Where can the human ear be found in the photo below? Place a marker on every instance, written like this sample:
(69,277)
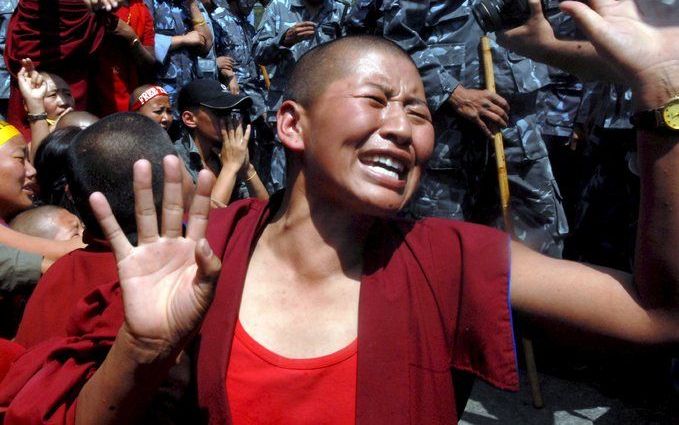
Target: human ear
(290,132)
(189,119)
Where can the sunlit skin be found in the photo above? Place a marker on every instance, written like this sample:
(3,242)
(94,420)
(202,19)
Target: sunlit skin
(17,178)
(69,226)
(371,112)
(159,110)
(58,98)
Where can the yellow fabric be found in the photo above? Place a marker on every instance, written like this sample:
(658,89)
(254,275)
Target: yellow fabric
(7,132)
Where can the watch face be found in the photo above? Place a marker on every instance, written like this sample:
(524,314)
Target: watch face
(670,114)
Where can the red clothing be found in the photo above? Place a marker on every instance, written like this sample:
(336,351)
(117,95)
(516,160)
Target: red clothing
(61,288)
(265,388)
(9,351)
(59,36)
(117,75)
(434,310)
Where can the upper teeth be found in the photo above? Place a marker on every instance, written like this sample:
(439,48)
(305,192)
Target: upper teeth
(387,162)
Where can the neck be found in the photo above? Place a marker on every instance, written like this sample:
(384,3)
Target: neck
(233,7)
(327,240)
(209,159)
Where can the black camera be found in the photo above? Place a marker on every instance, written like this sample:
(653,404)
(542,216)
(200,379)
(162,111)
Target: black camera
(498,15)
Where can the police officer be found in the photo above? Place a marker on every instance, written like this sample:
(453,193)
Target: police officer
(287,30)
(233,43)
(183,36)
(460,182)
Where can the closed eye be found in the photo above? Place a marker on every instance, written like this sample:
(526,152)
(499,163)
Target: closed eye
(382,101)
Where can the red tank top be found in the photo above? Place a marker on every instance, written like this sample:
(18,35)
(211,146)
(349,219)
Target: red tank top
(265,388)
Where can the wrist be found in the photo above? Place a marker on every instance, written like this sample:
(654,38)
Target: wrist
(146,351)
(654,87)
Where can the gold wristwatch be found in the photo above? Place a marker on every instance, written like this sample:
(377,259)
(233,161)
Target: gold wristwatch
(663,118)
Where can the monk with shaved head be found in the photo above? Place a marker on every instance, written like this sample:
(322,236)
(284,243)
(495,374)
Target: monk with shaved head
(325,308)
(48,222)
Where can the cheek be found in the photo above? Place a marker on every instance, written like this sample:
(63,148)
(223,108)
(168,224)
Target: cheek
(50,106)
(423,143)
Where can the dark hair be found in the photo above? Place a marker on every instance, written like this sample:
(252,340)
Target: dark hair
(325,63)
(51,163)
(101,159)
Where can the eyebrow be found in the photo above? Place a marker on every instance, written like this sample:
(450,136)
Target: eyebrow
(388,90)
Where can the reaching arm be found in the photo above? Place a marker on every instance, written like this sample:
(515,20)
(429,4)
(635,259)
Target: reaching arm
(33,90)
(47,248)
(144,56)
(630,36)
(535,39)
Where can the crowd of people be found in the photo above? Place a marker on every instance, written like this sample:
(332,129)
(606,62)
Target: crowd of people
(229,211)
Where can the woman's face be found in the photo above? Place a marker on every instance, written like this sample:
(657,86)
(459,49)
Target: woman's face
(58,99)
(17,178)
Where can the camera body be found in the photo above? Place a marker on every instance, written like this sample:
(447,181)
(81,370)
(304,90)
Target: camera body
(498,15)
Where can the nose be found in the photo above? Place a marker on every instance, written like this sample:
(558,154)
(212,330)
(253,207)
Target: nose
(29,171)
(395,124)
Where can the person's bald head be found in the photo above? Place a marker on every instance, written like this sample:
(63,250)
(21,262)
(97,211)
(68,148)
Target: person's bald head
(48,222)
(323,64)
(80,119)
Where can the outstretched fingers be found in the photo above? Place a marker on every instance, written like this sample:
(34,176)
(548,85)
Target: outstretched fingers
(207,274)
(173,203)
(144,206)
(109,225)
(200,207)
(586,17)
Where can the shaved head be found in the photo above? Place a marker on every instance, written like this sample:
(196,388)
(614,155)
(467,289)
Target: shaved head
(80,119)
(48,222)
(323,64)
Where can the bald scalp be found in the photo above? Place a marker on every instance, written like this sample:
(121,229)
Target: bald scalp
(42,222)
(80,119)
(326,63)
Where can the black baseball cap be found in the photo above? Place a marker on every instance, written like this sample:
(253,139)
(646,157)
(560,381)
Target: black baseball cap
(210,94)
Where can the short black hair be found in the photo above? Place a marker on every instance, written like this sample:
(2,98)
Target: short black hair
(325,63)
(101,159)
(51,162)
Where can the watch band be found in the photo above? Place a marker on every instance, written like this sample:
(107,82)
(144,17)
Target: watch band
(647,120)
(36,117)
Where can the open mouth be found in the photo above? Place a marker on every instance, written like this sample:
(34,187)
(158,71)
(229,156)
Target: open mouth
(31,189)
(387,166)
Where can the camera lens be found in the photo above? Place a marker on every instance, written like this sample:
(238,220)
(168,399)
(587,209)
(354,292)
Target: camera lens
(496,15)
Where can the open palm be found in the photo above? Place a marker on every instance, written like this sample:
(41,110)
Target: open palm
(638,35)
(167,280)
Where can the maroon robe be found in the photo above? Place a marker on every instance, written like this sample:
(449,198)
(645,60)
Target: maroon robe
(58,291)
(434,310)
(59,36)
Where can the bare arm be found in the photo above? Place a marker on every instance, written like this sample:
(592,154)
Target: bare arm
(535,39)
(33,90)
(51,250)
(599,300)
(143,55)
(255,185)
(201,27)
(630,35)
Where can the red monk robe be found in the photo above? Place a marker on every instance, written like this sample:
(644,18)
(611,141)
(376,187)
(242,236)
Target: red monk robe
(61,288)
(434,311)
(59,36)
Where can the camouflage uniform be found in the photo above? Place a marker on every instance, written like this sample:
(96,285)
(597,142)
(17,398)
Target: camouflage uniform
(460,179)
(559,102)
(234,37)
(180,66)
(280,15)
(607,211)
(6,9)
(365,17)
